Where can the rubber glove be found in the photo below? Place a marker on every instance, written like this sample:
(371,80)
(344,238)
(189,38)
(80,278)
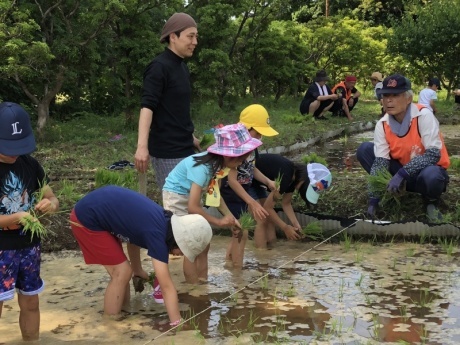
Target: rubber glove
(372,207)
(396,181)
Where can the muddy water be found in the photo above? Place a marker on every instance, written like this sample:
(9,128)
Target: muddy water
(340,153)
(351,293)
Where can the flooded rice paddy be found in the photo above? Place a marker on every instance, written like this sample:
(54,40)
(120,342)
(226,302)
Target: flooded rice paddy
(354,292)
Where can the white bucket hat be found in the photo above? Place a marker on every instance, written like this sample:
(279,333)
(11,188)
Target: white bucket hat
(192,234)
(320,180)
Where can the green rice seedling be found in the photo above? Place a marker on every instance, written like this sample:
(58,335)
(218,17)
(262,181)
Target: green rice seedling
(32,224)
(313,230)
(278,181)
(124,178)
(264,282)
(313,158)
(376,327)
(291,292)
(207,140)
(247,222)
(359,281)
(403,312)
(68,195)
(151,278)
(447,246)
(378,184)
(347,241)
(454,163)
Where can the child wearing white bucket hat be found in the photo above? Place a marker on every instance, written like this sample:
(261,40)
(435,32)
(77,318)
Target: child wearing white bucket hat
(111,214)
(202,173)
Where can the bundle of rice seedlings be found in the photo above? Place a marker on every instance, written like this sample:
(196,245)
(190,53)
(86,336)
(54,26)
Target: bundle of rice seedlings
(278,181)
(32,224)
(314,158)
(207,140)
(125,178)
(313,230)
(151,278)
(247,222)
(378,183)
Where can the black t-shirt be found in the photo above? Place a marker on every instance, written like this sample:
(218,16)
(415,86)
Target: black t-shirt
(272,165)
(166,91)
(18,183)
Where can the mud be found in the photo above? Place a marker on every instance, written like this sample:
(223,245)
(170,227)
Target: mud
(351,293)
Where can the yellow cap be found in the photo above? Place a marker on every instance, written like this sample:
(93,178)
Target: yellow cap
(377,75)
(256,116)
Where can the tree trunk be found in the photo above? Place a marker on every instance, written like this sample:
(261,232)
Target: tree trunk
(43,110)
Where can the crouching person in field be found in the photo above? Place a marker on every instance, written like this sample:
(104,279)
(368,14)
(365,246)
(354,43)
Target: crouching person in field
(111,214)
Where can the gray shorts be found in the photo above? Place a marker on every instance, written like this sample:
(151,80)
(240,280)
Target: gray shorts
(162,168)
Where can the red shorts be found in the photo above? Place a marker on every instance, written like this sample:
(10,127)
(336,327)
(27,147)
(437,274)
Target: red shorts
(98,247)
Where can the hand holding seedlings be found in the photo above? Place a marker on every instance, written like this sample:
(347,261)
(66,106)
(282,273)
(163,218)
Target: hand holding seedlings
(237,233)
(45,206)
(228,221)
(291,232)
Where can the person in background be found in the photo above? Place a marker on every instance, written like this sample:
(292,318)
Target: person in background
(319,98)
(408,144)
(308,180)
(348,97)
(111,214)
(456,94)
(236,188)
(202,174)
(428,96)
(22,183)
(165,127)
(376,80)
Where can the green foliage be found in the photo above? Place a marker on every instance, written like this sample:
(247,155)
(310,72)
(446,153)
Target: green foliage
(424,36)
(207,140)
(314,158)
(124,178)
(454,163)
(378,183)
(313,230)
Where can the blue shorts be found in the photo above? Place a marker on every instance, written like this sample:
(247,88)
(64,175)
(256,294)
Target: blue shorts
(20,269)
(236,205)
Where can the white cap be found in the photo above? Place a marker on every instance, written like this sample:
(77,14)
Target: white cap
(320,179)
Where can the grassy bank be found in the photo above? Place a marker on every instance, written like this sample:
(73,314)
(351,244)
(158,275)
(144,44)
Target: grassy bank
(73,151)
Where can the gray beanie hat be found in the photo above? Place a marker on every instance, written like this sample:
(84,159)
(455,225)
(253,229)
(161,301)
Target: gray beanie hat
(177,22)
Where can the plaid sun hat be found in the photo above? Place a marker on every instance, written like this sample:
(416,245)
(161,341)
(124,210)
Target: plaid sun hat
(233,141)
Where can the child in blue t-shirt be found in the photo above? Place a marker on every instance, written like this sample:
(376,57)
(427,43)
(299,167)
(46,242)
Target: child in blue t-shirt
(201,174)
(110,215)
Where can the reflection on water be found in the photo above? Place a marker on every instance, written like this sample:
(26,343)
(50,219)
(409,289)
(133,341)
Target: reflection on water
(358,294)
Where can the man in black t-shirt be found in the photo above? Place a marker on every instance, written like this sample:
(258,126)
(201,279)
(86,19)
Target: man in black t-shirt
(165,126)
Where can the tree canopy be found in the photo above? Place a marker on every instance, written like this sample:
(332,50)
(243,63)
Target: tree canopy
(64,57)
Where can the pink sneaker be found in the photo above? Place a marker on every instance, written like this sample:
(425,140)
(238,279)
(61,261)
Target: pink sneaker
(157,295)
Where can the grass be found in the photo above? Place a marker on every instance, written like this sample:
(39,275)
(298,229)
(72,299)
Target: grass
(72,153)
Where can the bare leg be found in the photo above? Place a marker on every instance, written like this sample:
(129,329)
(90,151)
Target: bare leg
(1,308)
(202,264)
(271,234)
(134,254)
(29,317)
(117,290)
(238,250)
(313,107)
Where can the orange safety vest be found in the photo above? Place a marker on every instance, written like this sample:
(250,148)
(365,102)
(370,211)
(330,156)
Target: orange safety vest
(342,84)
(403,149)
